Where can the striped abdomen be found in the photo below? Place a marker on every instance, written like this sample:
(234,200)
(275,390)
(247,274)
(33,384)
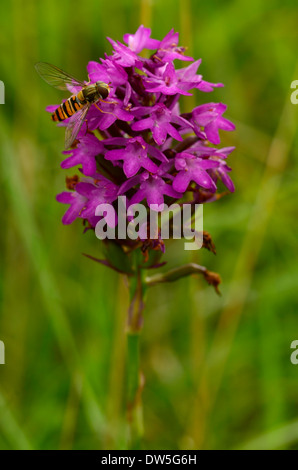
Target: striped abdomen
(69,107)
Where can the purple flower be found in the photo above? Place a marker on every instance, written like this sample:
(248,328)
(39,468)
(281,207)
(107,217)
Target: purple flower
(106,114)
(169,50)
(52,107)
(109,72)
(136,143)
(100,191)
(84,154)
(221,172)
(188,76)
(210,117)
(77,203)
(153,188)
(124,55)
(159,122)
(87,195)
(141,40)
(166,82)
(191,168)
(135,156)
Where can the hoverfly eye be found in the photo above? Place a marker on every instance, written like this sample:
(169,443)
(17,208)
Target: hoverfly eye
(103,91)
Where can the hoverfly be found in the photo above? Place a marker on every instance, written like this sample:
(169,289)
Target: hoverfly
(77,105)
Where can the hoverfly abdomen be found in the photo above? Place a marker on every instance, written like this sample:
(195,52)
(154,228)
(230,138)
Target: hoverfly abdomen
(68,108)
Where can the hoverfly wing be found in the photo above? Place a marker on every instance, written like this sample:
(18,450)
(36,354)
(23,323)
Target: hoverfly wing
(75,124)
(56,77)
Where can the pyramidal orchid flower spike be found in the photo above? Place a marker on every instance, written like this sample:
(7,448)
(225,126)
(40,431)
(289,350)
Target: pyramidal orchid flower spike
(137,144)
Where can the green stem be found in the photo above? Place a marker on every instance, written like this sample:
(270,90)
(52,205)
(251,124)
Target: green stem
(135,380)
(134,392)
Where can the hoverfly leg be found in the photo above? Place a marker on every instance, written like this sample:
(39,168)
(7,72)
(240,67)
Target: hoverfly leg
(98,107)
(109,102)
(104,112)
(87,129)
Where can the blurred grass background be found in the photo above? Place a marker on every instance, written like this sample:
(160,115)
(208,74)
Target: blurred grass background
(218,371)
